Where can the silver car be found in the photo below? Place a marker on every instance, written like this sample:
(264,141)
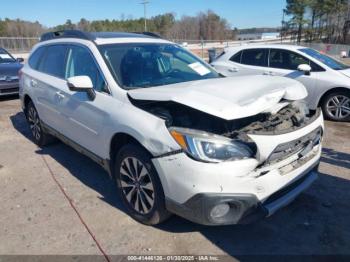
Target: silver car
(326,79)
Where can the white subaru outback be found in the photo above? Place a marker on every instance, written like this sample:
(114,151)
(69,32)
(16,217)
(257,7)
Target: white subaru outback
(175,135)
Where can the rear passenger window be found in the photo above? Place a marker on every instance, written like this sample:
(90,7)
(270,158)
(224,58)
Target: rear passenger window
(236,57)
(35,58)
(53,62)
(81,63)
(254,57)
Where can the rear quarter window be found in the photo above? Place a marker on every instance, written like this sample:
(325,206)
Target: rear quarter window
(236,57)
(54,60)
(35,58)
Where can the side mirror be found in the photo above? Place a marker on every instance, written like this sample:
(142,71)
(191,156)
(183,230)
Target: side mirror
(304,68)
(20,60)
(81,84)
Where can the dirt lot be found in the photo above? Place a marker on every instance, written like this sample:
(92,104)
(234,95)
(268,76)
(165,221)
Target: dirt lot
(36,216)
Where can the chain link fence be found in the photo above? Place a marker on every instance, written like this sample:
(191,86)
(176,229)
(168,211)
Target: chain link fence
(330,49)
(199,47)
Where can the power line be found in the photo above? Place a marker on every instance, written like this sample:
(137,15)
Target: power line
(144,3)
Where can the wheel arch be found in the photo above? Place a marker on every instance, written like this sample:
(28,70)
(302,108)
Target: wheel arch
(335,89)
(26,100)
(121,139)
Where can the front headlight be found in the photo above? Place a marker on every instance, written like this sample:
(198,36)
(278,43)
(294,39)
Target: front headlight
(210,147)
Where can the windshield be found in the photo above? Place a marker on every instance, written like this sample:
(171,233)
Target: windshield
(5,57)
(328,61)
(146,65)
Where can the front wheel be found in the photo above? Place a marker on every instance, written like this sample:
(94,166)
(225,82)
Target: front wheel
(139,185)
(336,106)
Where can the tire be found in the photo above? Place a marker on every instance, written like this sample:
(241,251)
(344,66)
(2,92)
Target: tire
(336,106)
(40,137)
(136,179)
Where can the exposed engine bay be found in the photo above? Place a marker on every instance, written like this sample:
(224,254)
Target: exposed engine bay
(291,115)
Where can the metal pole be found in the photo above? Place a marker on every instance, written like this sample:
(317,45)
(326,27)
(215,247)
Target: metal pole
(281,32)
(144,3)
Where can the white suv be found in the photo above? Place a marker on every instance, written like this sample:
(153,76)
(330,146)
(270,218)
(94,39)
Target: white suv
(175,135)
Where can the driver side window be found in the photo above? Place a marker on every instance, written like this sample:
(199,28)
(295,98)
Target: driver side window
(284,59)
(81,63)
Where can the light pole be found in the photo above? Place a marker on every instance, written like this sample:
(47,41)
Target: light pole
(144,3)
(282,26)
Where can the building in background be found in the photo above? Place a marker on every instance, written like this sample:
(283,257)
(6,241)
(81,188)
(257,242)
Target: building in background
(258,36)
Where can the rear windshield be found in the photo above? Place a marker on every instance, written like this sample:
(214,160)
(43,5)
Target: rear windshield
(142,65)
(328,61)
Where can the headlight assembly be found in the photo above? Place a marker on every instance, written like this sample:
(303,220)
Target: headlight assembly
(210,147)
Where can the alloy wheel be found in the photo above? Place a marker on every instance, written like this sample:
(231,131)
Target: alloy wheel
(338,106)
(137,185)
(34,123)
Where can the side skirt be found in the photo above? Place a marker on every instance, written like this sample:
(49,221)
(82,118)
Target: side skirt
(104,163)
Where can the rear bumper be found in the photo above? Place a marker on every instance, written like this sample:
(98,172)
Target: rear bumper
(9,88)
(244,208)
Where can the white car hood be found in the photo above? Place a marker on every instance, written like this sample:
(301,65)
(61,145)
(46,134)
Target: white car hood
(227,98)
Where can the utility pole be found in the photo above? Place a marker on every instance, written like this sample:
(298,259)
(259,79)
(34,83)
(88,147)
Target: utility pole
(282,26)
(144,3)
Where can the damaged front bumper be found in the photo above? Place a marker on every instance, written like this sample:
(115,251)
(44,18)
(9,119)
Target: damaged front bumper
(245,189)
(242,208)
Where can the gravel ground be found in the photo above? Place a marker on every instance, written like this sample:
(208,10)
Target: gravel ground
(85,215)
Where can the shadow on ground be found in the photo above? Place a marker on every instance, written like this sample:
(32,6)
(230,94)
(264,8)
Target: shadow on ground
(335,158)
(318,222)
(8,97)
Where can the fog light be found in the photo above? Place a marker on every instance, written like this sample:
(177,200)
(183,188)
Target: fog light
(219,211)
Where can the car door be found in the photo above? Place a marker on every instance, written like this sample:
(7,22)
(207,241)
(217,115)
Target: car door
(285,63)
(247,62)
(86,119)
(47,83)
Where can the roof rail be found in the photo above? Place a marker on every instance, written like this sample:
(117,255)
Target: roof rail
(66,34)
(155,35)
(91,36)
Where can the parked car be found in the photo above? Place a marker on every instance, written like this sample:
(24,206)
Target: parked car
(326,79)
(174,135)
(9,68)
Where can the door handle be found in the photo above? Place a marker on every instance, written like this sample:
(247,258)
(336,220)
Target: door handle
(33,83)
(233,69)
(59,95)
(268,73)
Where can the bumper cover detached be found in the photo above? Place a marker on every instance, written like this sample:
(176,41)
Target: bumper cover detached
(243,208)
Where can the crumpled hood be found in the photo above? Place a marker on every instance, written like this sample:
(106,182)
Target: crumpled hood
(228,98)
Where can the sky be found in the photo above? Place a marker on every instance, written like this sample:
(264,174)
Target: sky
(239,13)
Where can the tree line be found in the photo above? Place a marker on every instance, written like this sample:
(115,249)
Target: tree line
(20,28)
(205,25)
(317,20)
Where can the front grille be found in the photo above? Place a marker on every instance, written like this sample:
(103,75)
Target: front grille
(288,149)
(9,90)
(8,79)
